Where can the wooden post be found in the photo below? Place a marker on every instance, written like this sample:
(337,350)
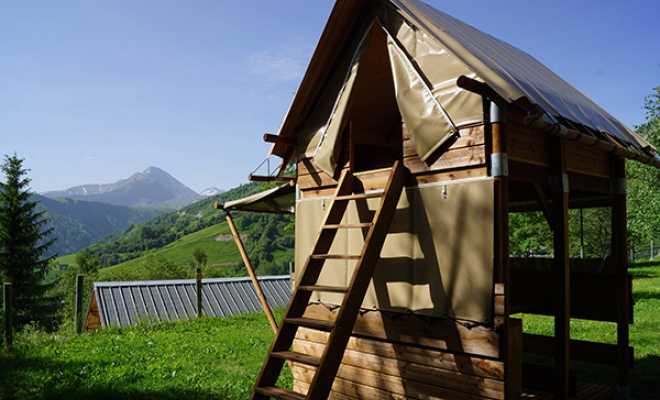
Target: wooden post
(562,280)
(8,324)
(619,253)
(79,304)
(248,265)
(512,338)
(198,287)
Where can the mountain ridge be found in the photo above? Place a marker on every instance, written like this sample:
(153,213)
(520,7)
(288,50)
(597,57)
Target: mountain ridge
(152,187)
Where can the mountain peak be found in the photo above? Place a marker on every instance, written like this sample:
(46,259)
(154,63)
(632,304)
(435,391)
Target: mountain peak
(152,187)
(154,171)
(212,191)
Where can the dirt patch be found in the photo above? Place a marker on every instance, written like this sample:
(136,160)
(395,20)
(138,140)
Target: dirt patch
(228,237)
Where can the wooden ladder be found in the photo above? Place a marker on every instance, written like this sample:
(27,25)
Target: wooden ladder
(340,330)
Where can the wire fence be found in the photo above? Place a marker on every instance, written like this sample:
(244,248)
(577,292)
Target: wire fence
(647,252)
(19,309)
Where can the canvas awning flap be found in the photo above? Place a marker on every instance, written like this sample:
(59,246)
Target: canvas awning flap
(327,153)
(429,125)
(329,134)
(281,199)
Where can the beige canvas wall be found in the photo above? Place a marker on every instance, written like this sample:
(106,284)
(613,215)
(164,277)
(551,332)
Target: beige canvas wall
(437,259)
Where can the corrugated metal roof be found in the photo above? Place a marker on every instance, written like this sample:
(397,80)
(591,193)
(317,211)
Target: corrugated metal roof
(126,303)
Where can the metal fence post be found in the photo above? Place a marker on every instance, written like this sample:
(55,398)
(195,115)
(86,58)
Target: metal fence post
(79,303)
(198,284)
(8,317)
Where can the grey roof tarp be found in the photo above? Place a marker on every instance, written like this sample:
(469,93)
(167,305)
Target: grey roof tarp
(512,73)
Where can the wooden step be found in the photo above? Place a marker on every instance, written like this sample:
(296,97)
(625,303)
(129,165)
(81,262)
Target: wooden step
(279,393)
(334,257)
(297,357)
(327,289)
(359,196)
(348,226)
(311,323)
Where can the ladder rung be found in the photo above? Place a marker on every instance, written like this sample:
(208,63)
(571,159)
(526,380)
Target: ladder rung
(335,257)
(329,289)
(317,324)
(279,393)
(360,196)
(297,357)
(348,226)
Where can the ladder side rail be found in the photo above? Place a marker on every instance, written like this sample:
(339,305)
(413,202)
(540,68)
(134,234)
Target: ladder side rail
(300,298)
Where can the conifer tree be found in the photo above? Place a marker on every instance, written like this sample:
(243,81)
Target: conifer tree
(24,239)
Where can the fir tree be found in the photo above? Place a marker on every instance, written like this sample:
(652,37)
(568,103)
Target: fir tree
(24,239)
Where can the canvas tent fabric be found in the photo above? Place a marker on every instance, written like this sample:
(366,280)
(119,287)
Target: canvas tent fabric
(281,199)
(127,303)
(429,50)
(425,267)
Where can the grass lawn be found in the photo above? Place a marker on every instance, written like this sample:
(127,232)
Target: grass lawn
(221,358)
(195,359)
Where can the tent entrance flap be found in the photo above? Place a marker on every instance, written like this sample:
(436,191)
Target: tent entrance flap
(428,123)
(281,199)
(327,152)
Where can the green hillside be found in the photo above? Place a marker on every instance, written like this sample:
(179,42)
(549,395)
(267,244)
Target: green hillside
(173,238)
(223,256)
(77,224)
(165,229)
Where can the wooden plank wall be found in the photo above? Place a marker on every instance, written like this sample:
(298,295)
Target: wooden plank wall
(93,320)
(403,356)
(525,145)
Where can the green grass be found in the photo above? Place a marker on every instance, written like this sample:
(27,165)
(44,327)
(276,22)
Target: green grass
(195,359)
(644,336)
(220,358)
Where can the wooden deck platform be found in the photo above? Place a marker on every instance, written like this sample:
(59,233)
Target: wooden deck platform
(585,391)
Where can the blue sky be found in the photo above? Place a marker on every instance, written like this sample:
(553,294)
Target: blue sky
(93,91)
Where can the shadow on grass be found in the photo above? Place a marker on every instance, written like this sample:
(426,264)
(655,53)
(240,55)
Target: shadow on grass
(642,294)
(645,378)
(28,377)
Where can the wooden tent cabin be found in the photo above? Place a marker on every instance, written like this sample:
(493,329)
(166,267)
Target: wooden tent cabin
(416,136)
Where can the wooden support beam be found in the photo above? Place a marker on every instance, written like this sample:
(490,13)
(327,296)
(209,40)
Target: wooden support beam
(620,256)
(248,265)
(499,169)
(263,178)
(542,200)
(589,141)
(561,269)
(278,139)
(500,176)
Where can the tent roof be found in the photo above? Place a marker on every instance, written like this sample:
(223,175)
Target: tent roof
(511,72)
(281,199)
